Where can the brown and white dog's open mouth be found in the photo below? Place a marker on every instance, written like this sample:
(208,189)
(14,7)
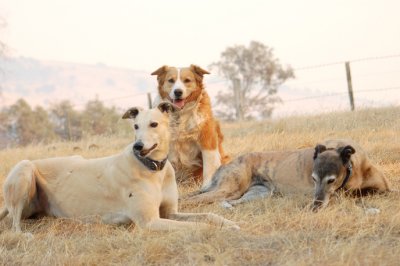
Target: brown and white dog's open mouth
(144,152)
(179,103)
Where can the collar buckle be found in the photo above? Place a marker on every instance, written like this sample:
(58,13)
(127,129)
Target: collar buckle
(150,164)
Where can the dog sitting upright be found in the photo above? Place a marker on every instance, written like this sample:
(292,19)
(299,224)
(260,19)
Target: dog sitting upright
(196,146)
(137,185)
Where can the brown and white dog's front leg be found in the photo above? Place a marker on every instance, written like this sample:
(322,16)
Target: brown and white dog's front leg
(211,162)
(209,152)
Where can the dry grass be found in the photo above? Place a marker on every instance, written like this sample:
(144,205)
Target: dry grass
(277,231)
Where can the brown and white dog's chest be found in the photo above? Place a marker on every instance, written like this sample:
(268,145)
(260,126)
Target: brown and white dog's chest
(184,148)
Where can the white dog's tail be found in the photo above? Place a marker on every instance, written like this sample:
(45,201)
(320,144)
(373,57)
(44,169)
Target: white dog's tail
(3,213)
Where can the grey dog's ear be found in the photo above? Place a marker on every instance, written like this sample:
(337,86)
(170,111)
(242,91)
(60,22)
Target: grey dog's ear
(345,153)
(167,107)
(131,113)
(318,149)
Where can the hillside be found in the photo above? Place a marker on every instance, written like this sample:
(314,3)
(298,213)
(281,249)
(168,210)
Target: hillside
(44,83)
(276,231)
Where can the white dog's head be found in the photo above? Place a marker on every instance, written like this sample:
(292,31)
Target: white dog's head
(180,86)
(152,134)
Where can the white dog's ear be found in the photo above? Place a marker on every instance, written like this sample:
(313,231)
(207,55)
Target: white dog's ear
(167,107)
(131,113)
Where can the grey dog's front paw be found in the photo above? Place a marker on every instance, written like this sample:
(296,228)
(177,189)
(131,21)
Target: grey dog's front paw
(226,205)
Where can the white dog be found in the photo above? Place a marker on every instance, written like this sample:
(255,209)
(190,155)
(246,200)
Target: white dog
(137,185)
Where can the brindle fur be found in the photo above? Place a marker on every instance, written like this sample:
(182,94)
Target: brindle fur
(258,175)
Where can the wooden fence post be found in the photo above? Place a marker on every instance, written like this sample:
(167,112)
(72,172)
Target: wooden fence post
(149,100)
(350,86)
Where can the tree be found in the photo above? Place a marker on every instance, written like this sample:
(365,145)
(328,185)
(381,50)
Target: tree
(26,126)
(2,48)
(67,122)
(254,75)
(97,119)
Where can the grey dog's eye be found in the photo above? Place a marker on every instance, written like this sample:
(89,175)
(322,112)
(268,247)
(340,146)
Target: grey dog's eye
(154,124)
(330,181)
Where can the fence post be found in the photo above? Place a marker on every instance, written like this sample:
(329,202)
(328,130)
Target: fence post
(238,99)
(349,85)
(149,100)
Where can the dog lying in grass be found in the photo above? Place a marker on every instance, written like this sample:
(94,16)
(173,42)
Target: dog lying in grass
(137,185)
(331,166)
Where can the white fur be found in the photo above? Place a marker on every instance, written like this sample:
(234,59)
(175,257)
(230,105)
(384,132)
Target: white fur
(118,188)
(212,160)
(179,85)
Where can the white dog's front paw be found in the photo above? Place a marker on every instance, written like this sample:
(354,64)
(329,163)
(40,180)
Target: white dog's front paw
(29,236)
(235,227)
(372,211)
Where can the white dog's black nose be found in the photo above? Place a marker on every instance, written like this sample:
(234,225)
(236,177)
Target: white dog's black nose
(138,145)
(178,93)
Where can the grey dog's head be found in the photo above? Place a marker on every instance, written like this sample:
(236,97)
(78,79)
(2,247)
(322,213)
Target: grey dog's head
(329,171)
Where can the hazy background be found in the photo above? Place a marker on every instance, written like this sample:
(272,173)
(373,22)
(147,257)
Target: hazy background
(78,50)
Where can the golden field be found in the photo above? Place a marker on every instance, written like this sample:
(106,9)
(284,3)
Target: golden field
(276,231)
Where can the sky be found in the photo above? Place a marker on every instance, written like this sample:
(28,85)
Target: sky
(143,35)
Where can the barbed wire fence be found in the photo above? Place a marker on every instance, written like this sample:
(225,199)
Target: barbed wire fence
(347,68)
(344,75)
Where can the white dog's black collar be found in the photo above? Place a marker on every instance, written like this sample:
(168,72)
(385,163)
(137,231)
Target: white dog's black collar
(150,163)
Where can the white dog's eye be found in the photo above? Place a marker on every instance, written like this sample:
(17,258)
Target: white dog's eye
(154,124)
(136,126)
(171,80)
(313,178)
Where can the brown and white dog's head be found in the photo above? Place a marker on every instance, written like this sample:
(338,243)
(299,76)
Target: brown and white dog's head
(180,85)
(329,171)
(152,134)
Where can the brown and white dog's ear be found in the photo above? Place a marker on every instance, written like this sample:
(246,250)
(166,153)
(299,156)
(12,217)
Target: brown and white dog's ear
(160,71)
(198,70)
(345,153)
(318,149)
(167,107)
(131,113)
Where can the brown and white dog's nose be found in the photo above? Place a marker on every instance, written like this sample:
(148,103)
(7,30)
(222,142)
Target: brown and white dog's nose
(178,93)
(138,145)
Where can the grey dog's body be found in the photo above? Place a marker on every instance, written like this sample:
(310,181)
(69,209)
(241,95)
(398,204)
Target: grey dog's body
(257,175)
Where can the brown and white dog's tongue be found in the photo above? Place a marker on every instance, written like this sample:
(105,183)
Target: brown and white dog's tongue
(180,103)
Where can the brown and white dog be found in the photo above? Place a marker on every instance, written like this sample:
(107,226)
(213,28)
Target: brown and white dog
(331,166)
(137,185)
(196,143)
